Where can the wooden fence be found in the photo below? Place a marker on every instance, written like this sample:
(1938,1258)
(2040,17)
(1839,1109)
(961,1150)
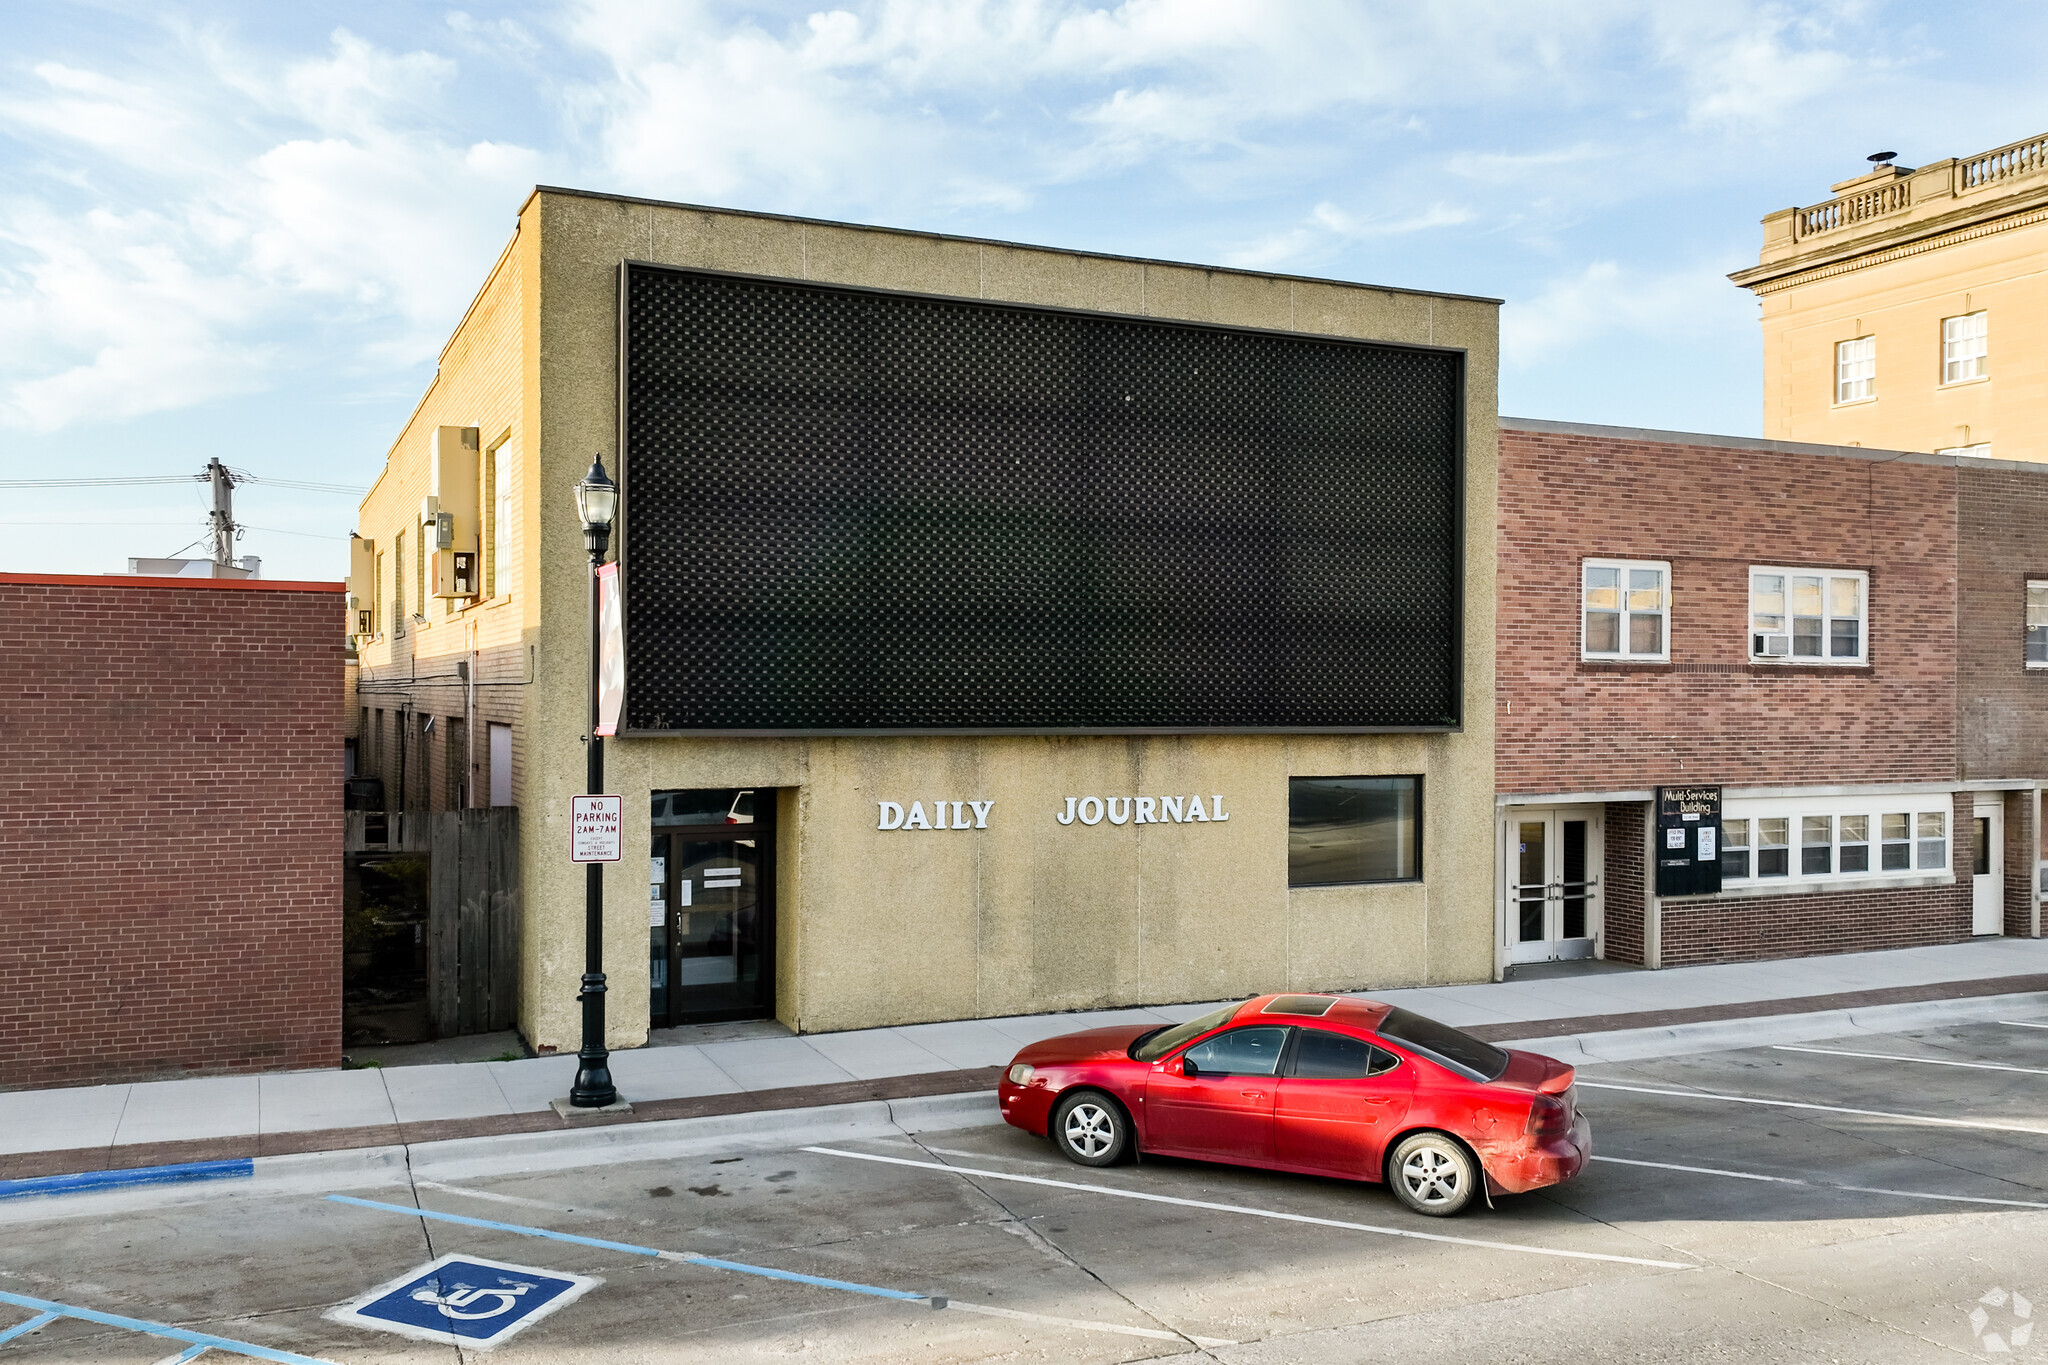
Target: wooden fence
(473,908)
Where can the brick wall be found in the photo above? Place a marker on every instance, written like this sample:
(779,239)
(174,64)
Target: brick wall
(170,828)
(1621,900)
(1709,715)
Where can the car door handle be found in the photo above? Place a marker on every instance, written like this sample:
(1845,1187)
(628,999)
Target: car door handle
(1253,1094)
(1379,1099)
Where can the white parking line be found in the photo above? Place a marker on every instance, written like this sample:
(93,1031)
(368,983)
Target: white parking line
(2020,1023)
(1251,1212)
(1823,1184)
(1924,1061)
(1819,1108)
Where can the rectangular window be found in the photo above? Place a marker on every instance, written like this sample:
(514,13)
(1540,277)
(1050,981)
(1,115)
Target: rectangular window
(1897,849)
(499,563)
(1800,616)
(2037,625)
(1734,849)
(398,584)
(1342,830)
(1933,840)
(1816,845)
(1965,348)
(1626,606)
(1773,847)
(1856,370)
(1981,450)
(501,764)
(1855,854)
(377,595)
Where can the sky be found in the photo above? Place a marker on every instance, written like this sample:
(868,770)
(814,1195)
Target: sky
(245,230)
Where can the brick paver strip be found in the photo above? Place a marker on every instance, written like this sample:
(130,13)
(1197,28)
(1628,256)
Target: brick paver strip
(124,1156)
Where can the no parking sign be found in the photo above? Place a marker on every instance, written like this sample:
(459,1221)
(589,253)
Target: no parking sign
(463,1301)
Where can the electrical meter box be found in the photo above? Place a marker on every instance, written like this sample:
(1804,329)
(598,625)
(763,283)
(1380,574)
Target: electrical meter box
(362,586)
(449,518)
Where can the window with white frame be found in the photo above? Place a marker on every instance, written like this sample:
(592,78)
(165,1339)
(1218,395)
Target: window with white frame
(2037,624)
(1803,616)
(1856,370)
(1819,840)
(1626,609)
(1981,450)
(1965,348)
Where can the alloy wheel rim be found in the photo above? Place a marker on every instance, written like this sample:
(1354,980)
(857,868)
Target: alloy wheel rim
(1089,1129)
(1431,1175)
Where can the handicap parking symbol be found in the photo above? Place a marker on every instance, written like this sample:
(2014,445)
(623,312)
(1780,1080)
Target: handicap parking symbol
(463,1301)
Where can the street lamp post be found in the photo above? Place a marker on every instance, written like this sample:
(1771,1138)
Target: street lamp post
(597,502)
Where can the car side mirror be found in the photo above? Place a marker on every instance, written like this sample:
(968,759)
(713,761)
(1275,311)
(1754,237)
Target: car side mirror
(1188,1067)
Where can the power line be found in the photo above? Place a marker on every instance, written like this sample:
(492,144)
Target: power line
(102,483)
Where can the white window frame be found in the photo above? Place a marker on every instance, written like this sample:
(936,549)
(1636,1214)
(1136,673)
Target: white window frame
(1795,811)
(1859,354)
(2036,588)
(1623,609)
(1861,659)
(1981,450)
(1966,350)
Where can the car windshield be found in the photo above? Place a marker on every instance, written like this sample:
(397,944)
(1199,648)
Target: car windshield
(1444,1045)
(1151,1047)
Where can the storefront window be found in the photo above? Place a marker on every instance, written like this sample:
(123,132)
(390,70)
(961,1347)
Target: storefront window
(704,806)
(1342,830)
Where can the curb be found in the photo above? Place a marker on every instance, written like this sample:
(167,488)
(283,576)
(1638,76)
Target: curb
(1630,1045)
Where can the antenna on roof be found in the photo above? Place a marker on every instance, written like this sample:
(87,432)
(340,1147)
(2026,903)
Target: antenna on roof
(1880,158)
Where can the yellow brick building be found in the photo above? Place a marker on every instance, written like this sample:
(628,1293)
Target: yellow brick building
(1067,867)
(1910,310)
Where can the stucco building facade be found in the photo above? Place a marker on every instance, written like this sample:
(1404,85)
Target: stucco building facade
(1909,311)
(1027,867)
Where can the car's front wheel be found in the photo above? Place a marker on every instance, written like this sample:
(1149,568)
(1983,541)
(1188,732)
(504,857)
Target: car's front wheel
(1432,1174)
(1090,1128)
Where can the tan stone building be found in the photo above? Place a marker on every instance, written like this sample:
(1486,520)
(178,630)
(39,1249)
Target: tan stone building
(986,617)
(1910,311)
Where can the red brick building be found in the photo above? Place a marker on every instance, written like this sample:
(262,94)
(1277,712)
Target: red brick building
(1833,636)
(170,827)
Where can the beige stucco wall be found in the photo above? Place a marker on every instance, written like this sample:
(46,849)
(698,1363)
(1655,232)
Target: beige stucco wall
(880,928)
(1901,302)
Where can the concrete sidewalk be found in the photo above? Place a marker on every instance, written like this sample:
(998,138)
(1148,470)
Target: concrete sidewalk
(42,1131)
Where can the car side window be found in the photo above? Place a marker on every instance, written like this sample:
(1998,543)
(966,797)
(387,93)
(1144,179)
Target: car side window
(1323,1055)
(1240,1052)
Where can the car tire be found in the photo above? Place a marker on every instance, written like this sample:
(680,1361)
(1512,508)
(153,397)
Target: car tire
(1433,1174)
(1090,1129)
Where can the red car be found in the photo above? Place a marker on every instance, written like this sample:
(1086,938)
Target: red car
(1320,1084)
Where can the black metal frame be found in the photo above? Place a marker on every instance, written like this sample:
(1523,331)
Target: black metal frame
(763,829)
(1458,537)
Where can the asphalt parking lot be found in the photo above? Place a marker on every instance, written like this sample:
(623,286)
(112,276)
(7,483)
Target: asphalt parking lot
(1779,1203)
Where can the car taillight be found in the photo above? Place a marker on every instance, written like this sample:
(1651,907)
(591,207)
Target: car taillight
(1550,1116)
(1021,1074)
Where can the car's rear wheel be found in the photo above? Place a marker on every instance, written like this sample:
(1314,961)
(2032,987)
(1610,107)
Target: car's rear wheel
(1090,1128)
(1432,1174)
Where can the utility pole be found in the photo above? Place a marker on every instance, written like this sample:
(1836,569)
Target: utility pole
(223,517)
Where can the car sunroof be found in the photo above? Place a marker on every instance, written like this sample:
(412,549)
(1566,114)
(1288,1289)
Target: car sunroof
(1313,1005)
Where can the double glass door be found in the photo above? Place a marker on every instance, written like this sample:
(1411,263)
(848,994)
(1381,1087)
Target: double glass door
(1553,884)
(711,925)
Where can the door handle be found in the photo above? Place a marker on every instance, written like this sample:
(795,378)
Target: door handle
(1253,1094)
(1379,1099)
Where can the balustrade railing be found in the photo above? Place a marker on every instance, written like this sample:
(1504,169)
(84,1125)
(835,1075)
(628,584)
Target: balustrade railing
(2019,158)
(1850,209)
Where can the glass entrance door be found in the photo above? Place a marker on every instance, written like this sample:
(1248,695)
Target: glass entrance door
(1553,884)
(711,923)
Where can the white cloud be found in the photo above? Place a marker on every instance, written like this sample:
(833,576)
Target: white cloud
(1606,299)
(1328,226)
(325,190)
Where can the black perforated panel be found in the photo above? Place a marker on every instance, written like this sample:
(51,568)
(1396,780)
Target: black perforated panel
(851,510)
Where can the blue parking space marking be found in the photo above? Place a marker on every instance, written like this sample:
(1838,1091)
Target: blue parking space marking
(199,1341)
(689,1257)
(241,1168)
(464,1300)
(22,1329)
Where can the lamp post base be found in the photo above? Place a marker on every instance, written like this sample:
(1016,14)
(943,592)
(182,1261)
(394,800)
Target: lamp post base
(572,1111)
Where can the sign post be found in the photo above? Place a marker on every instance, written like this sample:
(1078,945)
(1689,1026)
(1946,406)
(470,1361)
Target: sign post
(595,824)
(1688,841)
